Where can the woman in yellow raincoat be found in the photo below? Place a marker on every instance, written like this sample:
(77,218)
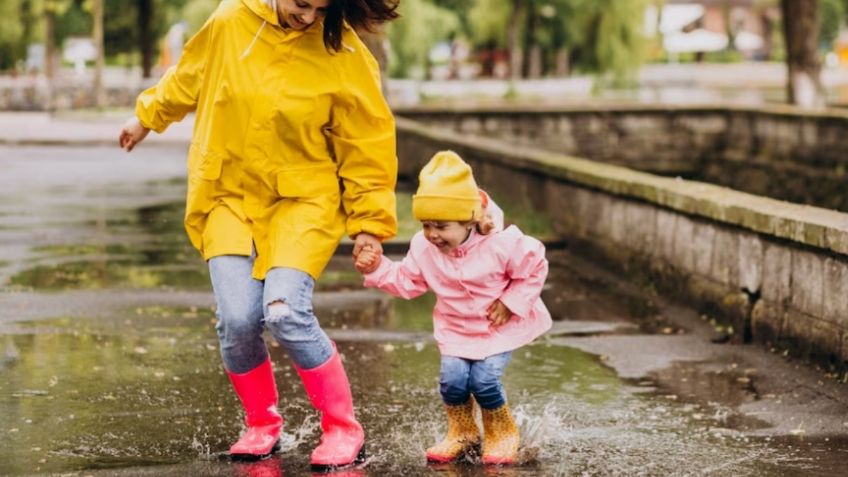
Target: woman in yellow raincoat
(293,147)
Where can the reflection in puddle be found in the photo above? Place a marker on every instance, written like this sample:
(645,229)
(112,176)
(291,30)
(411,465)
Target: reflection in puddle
(146,250)
(102,395)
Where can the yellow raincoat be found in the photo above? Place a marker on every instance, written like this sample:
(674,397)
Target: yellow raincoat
(293,145)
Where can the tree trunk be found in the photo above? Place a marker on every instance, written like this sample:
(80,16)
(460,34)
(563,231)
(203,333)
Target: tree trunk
(49,45)
(516,54)
(145,39)
(768,30)
(800,28)
(99,96)
(28,22)
(563,68)
(50,57)
(533,51)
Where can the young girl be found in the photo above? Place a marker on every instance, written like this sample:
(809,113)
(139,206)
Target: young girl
(487,289)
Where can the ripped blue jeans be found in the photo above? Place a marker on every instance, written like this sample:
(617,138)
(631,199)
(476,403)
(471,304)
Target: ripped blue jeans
(282,303)
(459,378)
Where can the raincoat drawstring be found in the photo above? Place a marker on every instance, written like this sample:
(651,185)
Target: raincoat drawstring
(273,5)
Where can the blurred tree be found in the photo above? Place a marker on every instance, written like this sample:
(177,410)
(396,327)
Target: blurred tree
(421,26)
(136,27)
(832,21)
(97,34)
(196,12)
(551,36)
(11,32)
(772,36)
(801,33)
(73,21)
(146,41)
(51,11)
(608,36)
(461,9)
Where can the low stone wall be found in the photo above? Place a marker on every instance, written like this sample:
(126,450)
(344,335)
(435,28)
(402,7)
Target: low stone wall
(775,151)
(777,272)
(33,94)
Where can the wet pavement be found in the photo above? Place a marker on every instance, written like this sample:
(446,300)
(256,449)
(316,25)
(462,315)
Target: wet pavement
(109,362)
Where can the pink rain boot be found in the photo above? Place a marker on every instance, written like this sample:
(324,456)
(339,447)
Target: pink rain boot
(329,391)
(258,394)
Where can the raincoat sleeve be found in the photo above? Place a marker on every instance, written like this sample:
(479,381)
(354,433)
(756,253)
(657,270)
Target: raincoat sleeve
(176,94)
(402,279)
(362,134)
(527,268)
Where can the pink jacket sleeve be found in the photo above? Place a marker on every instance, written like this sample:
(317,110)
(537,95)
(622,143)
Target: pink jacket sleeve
(527,268)
(403,279)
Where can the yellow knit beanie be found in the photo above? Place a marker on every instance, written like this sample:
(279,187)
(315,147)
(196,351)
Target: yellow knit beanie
(446,190)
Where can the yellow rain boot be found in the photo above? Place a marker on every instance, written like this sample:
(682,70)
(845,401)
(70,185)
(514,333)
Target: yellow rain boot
(500,439)
(463,434)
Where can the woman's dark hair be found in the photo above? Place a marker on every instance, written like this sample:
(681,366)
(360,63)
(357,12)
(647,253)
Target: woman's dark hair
(360,14)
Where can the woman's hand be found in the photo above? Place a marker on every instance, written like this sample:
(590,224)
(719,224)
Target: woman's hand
(498,313)
(132,134)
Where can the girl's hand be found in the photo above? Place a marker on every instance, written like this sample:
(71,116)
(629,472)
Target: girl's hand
(132,134)
(498,313)
(486,225)
(367,261)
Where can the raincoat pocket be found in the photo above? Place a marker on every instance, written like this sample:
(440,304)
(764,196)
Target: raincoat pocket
(204,165)
(308,182)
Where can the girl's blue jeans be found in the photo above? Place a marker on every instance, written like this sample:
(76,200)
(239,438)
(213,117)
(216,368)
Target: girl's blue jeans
(460,378)
(282,303)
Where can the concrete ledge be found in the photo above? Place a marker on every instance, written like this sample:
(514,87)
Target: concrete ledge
(813,226)
(774,271)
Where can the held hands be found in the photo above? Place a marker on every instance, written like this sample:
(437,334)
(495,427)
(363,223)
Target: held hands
(367,251)
(367,261)
(498,313)
(132,134)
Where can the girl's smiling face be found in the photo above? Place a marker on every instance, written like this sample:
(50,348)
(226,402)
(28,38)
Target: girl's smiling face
(445,235)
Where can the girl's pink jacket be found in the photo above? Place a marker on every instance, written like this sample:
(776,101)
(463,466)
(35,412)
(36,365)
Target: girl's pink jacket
(507,266)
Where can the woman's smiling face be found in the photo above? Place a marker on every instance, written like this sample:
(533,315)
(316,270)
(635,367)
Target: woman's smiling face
(300,14)
(445,235)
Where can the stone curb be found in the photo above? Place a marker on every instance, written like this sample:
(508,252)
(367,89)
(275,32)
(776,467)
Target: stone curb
(812,226)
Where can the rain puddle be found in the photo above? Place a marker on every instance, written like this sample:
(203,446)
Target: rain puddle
(148,390)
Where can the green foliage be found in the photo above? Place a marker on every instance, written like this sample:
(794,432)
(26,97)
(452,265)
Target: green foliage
(196,12)
(122,33)
(11,31)
(603,36)
(74,20)
(832,19)
(421,26)
(608,36)
(723,56)
(489,19)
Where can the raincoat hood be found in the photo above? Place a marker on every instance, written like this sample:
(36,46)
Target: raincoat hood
(264,9)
